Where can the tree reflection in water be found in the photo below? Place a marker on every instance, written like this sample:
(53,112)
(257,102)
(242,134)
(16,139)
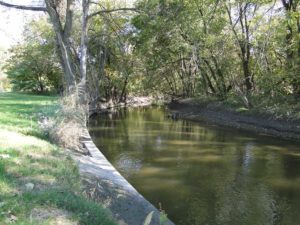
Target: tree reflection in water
(203,174)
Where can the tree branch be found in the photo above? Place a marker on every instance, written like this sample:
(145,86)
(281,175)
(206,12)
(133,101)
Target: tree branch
(23,7)
(69,18)
(112,10)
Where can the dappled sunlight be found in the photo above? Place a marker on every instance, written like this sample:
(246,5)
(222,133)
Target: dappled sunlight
(181,142)
(15,140)
(192,159)
(152,184)
(276,148)
(296,154)
(165,159)
(21,112)
(44,178)
(284,184)
(150,171)
(6,187)
(30,159)
(206,158)
(35,174)
(53,216)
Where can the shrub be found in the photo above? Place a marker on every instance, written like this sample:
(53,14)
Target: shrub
(69,123)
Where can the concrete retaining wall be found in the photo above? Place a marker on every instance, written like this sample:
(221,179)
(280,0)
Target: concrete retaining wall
(106,185)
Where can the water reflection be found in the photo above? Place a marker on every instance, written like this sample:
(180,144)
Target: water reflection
(203,174)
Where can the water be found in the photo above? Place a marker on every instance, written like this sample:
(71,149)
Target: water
(202,174)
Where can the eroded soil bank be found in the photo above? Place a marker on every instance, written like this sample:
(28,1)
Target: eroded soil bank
(217,114)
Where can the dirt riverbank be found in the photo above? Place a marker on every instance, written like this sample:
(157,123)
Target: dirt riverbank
(217,114)
(132,102)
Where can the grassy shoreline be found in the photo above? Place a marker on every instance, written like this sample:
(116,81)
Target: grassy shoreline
(39,182)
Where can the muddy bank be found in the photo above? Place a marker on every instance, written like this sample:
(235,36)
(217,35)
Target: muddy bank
(104,184)
(215,113)
(131,102)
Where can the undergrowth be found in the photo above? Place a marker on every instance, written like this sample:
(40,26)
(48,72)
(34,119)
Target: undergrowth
(277,107)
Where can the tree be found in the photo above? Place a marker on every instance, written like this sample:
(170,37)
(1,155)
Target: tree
(184,43)
(4,82)
(61,15)
(33,66)
(292,9)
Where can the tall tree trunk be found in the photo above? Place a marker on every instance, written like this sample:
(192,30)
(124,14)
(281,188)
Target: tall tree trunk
(83,52)
(243,40)
(63,40)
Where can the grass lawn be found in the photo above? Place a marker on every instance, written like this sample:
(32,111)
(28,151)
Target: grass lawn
(39,183)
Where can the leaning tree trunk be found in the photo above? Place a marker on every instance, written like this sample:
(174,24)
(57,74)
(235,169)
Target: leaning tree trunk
(83,53)
(63,40)
(59,12)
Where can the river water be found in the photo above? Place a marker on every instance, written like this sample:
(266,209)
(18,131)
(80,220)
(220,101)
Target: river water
(201,174)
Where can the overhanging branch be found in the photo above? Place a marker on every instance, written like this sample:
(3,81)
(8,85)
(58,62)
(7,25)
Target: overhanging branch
(23,7)
(112,10)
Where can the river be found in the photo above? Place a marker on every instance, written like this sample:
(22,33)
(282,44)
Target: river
(201,174)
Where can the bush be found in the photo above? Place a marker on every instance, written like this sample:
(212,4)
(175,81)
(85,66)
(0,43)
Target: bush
(69,124)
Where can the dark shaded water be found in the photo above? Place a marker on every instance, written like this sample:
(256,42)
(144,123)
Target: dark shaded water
(203,174)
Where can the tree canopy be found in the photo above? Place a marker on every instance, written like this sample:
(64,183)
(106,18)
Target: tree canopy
(34,65)
(247,49)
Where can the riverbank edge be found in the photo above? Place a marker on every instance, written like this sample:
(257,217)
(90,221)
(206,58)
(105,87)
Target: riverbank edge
(216,114)
(103,183)
(132,102)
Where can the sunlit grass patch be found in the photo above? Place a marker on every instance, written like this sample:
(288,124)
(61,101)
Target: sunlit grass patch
(20,142)
(21,112)
(37,174)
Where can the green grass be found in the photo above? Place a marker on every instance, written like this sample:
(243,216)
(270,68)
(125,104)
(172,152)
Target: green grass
(20,112)
(26,156)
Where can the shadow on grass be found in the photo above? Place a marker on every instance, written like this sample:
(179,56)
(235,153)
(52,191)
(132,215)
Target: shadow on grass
(18,202)
(86,212)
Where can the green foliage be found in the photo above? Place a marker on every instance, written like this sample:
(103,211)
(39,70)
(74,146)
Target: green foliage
(205,48)
(114,64)
(174,39)
(177,48)
(33,65)
(4,82)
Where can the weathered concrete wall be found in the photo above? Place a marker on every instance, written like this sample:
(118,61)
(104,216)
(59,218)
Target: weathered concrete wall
(105,184)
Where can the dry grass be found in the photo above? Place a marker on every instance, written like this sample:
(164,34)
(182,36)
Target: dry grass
(68,124)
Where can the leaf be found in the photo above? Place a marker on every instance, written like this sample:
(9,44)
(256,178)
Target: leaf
(148,218)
